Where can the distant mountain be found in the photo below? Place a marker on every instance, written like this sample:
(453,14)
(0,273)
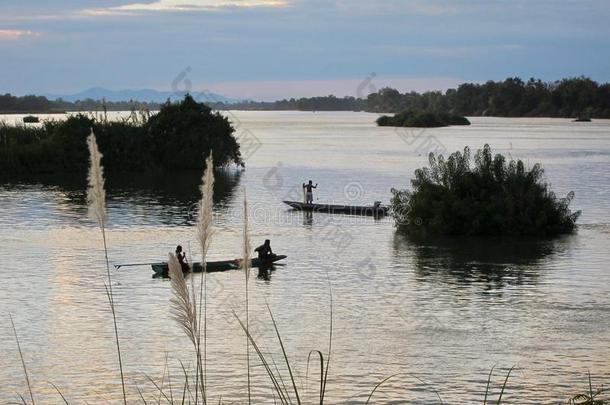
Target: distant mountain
(144,95)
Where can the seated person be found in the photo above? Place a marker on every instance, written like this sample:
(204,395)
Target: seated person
(264,251)
(181,256)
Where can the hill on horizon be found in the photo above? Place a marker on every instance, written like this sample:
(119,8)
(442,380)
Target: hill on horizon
(141,95)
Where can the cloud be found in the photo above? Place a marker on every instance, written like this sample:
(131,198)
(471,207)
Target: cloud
(185,6)
(448,51)
(8,35)
(402,7)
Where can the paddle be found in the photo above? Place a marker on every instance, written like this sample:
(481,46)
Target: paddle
(118,266)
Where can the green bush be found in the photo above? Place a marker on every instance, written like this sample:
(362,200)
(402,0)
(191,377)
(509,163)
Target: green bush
(421,119)
(182,135)
(179,137)
(493,198)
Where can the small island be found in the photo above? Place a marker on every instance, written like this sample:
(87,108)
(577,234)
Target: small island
(493,198)
(421,119)
(31,119)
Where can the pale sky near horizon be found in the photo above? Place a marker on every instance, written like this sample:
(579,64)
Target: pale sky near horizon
(270,49)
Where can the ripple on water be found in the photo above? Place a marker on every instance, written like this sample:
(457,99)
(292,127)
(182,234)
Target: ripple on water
(439,313)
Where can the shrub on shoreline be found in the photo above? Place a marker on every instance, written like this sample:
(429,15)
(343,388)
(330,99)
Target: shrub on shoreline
(493,198)
(421,119)
(179,137)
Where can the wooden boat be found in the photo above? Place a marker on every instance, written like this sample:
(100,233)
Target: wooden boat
(161,269)
(376,210)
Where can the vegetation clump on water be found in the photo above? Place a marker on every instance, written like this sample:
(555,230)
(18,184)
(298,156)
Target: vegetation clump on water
(31,119)
(495,197)
(179,137)
(421,119)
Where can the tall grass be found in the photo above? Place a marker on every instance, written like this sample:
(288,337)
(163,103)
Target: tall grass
(188,309)
(592,397)
(246,253)
(204,235)
(25,369)
(96,199)
(277,380)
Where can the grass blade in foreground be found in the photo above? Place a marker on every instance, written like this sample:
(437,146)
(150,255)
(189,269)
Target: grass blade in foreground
(246,267)
(96,199)
(25,369)
(204,235)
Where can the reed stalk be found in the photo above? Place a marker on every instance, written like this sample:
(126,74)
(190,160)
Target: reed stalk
(60,394)
(204,235)
(247,251)
(96,199)
(25,369)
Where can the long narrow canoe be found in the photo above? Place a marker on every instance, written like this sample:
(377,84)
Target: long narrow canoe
(160,269)
(370,210)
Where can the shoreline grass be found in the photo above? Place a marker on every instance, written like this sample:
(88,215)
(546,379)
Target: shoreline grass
(166,395)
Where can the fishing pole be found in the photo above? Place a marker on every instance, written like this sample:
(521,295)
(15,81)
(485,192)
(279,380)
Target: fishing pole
(118,266)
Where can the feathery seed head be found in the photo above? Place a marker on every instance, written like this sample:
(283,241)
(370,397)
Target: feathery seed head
(184,308)
(204,219)
(96,195)
(247,248)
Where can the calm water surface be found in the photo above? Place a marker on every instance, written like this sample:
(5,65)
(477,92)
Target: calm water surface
(439,313)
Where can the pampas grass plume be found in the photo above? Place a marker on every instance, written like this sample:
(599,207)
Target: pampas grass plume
(184,310)
(205,216)
(96,195)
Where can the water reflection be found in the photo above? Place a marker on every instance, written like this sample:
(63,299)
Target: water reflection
(132,198)
(307,218)
(266,271)
(494,262)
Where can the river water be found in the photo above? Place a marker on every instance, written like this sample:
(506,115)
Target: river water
(439,314)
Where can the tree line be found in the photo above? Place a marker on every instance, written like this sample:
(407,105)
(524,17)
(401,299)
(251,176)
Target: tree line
(39,104)
(322,103)
(578,97)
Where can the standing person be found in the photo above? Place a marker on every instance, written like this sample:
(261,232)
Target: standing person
(181,256)
(309,192)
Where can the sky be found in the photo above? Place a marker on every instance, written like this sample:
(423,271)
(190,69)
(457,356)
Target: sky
(271,49)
